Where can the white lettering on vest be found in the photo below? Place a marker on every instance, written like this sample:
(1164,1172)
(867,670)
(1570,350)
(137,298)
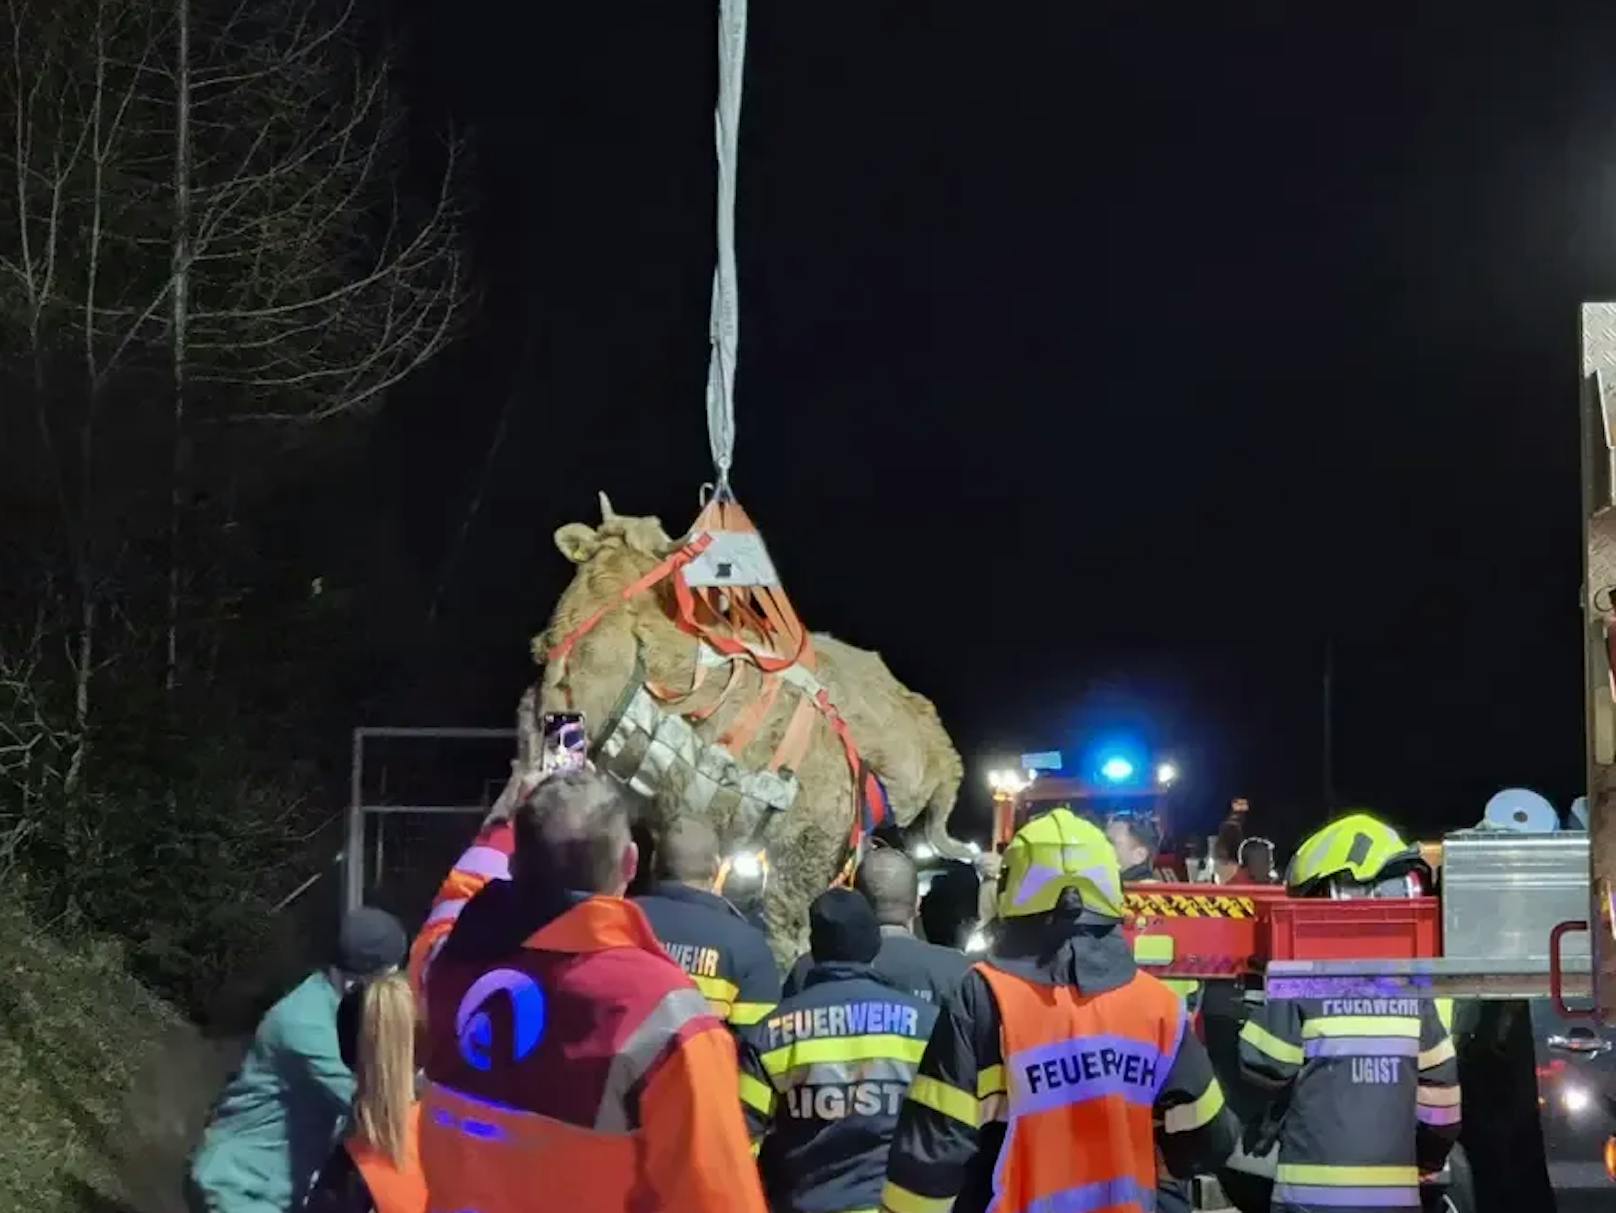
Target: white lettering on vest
(1376,1071)
(834,1102)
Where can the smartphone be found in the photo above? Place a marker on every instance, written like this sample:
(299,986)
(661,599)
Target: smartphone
(563,742)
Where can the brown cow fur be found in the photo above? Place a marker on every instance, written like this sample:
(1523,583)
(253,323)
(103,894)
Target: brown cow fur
(897,731)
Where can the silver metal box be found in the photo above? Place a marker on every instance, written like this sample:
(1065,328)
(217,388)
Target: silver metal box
(1503,893)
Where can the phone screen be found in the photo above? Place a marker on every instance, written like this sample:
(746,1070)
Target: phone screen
(564,742)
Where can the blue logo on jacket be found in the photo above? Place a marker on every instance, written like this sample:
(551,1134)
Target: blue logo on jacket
(475,1028)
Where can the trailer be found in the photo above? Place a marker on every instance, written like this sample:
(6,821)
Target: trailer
(1519,930)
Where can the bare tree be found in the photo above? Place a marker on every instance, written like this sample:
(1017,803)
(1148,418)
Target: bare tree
(71,89)
(179,327)
(212,194)
(37,746)
(306,282)
(319,284)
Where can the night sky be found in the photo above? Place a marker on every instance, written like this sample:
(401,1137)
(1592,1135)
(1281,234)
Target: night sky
(1097,363)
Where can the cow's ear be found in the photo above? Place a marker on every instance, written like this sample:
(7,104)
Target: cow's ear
(577,542)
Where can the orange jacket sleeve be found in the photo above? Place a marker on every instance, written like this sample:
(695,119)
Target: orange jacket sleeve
(486,859)
(698,1156)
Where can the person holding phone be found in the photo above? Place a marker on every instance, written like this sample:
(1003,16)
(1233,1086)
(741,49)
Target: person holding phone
(560,1034)
(563,746)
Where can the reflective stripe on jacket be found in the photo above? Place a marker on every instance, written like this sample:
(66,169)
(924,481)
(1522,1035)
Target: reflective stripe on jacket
(580,1064)
(824,1079)
(1371,1098)
(726,957)
(487,859)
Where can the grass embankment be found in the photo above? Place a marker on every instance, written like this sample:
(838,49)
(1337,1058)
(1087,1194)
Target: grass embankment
(103,1084)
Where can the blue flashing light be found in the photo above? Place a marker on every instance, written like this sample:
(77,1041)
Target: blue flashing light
(1117,769)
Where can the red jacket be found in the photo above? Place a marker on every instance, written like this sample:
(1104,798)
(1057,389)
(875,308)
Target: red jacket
(581,1064)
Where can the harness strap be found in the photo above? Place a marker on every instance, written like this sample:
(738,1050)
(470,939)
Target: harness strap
(768,662)
(672,564)
(750,719)
(673,698)
(867,796)
(783,626)
(730,681)
(799,733)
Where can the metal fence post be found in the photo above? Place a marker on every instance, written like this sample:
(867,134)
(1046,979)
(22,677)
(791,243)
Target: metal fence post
(353,851)
(356,884)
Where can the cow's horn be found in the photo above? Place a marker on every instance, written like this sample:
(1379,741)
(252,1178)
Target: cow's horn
(606,511)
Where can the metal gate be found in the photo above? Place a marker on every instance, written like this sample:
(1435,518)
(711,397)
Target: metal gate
(416,797)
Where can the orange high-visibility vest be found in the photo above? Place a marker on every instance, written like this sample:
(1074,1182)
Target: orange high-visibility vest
(393,1188)
(1082,1074)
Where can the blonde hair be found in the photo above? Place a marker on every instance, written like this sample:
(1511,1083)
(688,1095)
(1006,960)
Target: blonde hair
(385,1091)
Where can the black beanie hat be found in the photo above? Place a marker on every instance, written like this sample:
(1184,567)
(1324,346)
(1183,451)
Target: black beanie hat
(841,926)
(370,941)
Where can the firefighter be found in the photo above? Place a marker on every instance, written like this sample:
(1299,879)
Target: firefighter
(727,957)
(1058,1074)
(1368,1088)
(827,1071)
(565,1049)
(887,879)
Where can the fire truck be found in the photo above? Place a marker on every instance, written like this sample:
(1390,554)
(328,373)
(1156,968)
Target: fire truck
(1519,929)
(1118,786)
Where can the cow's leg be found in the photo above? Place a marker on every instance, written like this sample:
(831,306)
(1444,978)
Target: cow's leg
(804,857)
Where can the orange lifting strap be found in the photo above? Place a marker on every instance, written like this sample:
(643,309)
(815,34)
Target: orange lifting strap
(726,594)
(731,598)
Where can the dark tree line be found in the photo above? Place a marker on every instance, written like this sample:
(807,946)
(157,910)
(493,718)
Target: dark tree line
(215,266)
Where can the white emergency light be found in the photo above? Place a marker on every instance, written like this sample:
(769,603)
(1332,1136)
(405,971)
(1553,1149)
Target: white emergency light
(1117,768)
(1010,782)
(1166,774)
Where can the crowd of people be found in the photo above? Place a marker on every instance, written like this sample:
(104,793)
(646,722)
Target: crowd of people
(555,1043)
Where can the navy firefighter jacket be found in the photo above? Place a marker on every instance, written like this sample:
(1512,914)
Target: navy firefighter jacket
(726,957)
(823,1080)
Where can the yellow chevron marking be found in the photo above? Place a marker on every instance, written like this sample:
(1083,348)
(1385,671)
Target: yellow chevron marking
(1180,905)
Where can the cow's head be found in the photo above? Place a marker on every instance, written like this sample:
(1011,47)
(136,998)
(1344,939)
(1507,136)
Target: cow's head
(621,544)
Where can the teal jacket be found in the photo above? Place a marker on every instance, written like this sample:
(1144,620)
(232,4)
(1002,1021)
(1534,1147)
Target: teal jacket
(279,1116)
